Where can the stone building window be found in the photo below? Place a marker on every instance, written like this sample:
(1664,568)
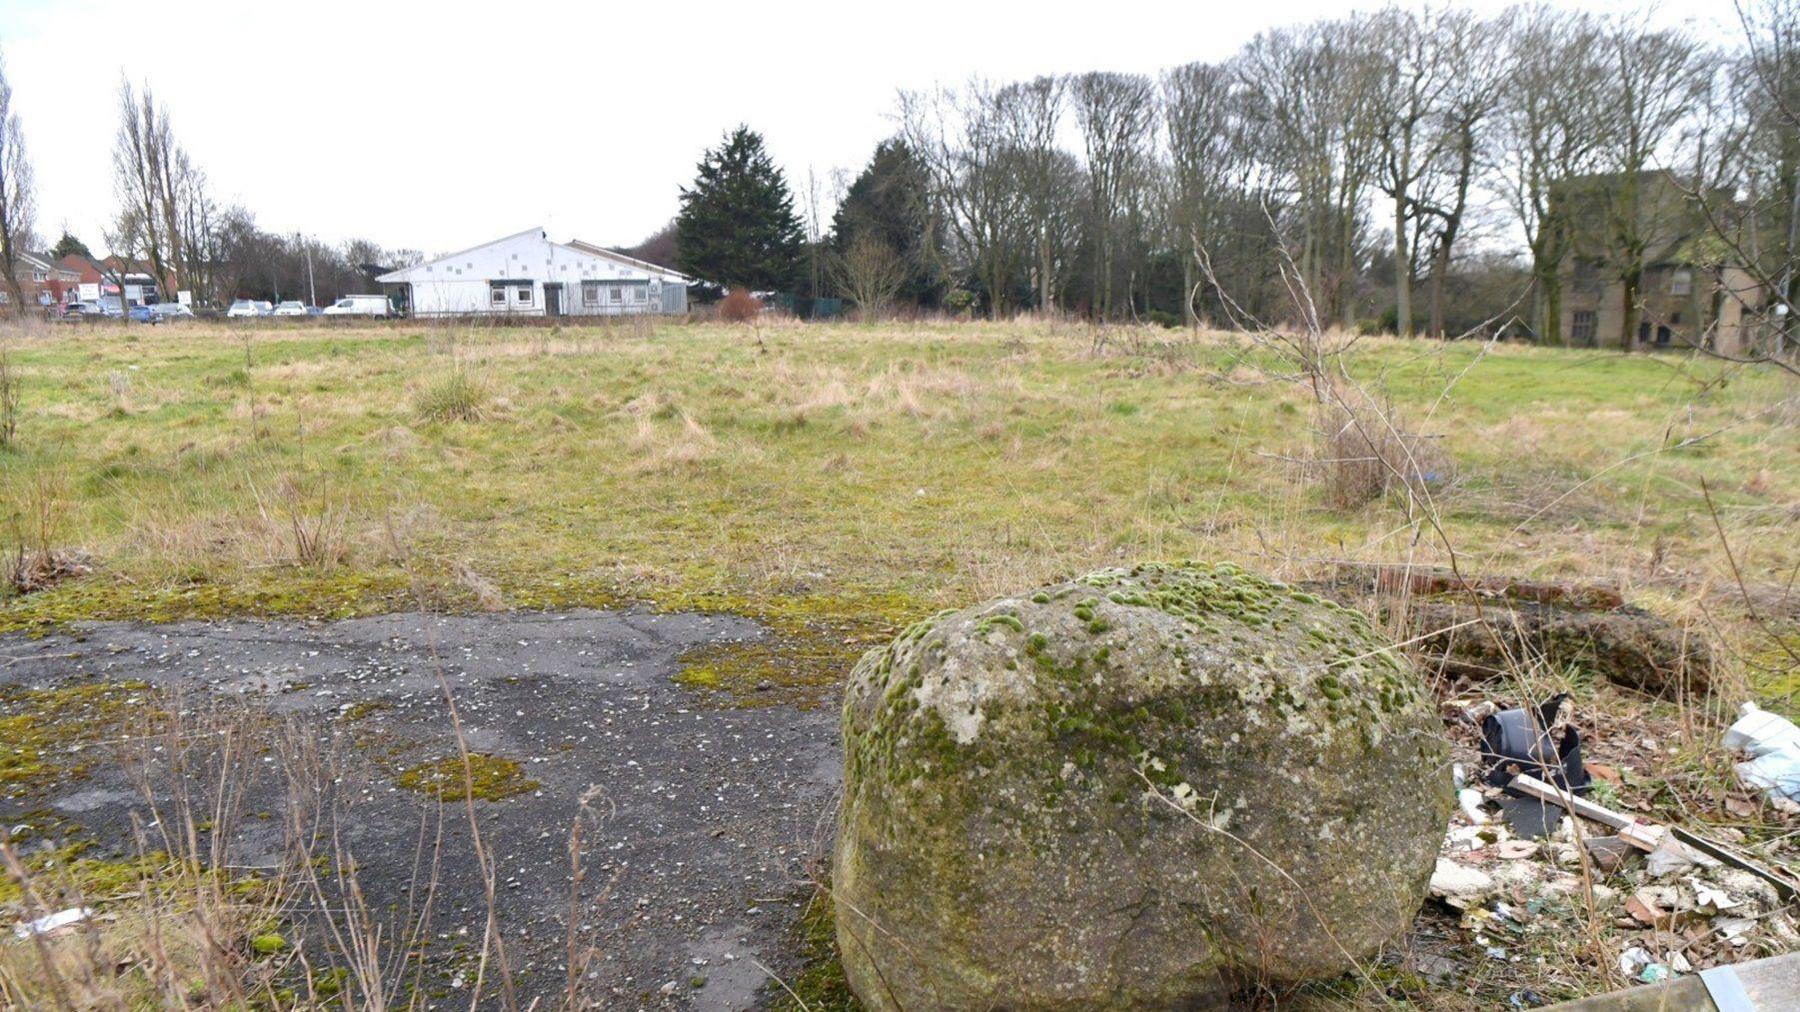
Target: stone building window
(1581,329)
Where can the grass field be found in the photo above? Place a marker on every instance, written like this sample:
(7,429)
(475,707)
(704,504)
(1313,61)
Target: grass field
(844,473)
(837,481)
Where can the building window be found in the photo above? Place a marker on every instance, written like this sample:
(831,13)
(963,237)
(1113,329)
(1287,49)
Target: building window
(637,294)
(522,295)
(497,296)
(590,293)
(1581,331)
(39,276)
(618,294)
(1681,282)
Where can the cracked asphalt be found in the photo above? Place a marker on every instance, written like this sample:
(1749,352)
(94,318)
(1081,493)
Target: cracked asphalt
(713,814)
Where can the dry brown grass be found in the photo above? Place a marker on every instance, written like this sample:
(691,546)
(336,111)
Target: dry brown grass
(303,522)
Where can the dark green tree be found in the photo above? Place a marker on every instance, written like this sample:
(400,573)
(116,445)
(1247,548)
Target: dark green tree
(889,202)
(737,227)
(69,244)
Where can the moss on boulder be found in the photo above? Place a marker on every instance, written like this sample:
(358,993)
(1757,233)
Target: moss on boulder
(1136,789)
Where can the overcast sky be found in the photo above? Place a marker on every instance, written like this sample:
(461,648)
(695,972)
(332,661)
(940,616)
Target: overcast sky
(436,126)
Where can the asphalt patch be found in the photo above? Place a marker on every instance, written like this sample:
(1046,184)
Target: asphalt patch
(713,816)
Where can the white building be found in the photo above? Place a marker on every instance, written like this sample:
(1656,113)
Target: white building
(528,275)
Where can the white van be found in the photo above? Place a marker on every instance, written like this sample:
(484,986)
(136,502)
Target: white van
(359,305)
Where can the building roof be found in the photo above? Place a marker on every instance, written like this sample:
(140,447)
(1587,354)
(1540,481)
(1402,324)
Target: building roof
(394,276)
(601,251)
(44,262)
(574,245)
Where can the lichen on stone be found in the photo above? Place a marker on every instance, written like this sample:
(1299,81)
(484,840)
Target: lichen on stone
(1000,776)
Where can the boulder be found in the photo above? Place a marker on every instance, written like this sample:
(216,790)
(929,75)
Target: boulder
(1138,789)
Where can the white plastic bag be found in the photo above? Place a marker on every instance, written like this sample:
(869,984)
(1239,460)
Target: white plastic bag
(1774,746)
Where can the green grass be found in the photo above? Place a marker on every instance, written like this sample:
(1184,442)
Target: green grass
(832,473)
(838,481)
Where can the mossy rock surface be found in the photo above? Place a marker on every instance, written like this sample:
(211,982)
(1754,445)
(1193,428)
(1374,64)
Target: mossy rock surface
(1138,789)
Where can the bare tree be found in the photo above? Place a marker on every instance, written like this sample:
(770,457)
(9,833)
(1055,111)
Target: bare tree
(1116,114)
(18,202)
(138,175)
(1314,89)
(872,273)
(1473,47)
(1408,107)
(1030,114)
(165,212)
(1549,132)
(1207,162)
(962,143)
(1654,75)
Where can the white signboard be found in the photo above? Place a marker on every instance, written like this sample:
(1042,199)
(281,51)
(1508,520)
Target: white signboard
(185,297)
(90,292)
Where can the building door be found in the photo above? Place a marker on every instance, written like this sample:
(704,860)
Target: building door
(553,300)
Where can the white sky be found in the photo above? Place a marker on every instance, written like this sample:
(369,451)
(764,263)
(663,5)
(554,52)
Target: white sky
(436,126)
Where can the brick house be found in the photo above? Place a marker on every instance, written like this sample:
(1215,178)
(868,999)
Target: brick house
(45,280)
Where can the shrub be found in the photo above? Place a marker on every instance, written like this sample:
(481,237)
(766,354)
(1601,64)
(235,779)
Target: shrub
(1367,454)
(739,306)
(960,301)
(458,397)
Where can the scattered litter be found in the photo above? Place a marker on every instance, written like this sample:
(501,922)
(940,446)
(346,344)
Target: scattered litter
(1774,746)
(1538,741)
(1607,852)
(1471,801)
(1732,929)
(1513,868)
(1514,850)
(1639,965)
(1711,899)
(52,923)
(1670,857)
(1531,817)
(1459,885)
(1644,909)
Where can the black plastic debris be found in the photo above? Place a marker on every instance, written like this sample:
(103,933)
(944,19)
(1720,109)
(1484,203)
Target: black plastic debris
(1538,741)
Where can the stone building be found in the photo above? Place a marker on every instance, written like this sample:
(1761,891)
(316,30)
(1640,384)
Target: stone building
(1688,293)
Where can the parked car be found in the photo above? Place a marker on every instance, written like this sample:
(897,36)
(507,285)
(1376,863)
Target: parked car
(314,311)
(249,307)
(291,308)
(142,314)
(171,310)
(78,310)
(359,305)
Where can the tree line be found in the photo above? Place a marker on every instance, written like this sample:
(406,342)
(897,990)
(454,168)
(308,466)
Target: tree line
(1412,170)
(167,223)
